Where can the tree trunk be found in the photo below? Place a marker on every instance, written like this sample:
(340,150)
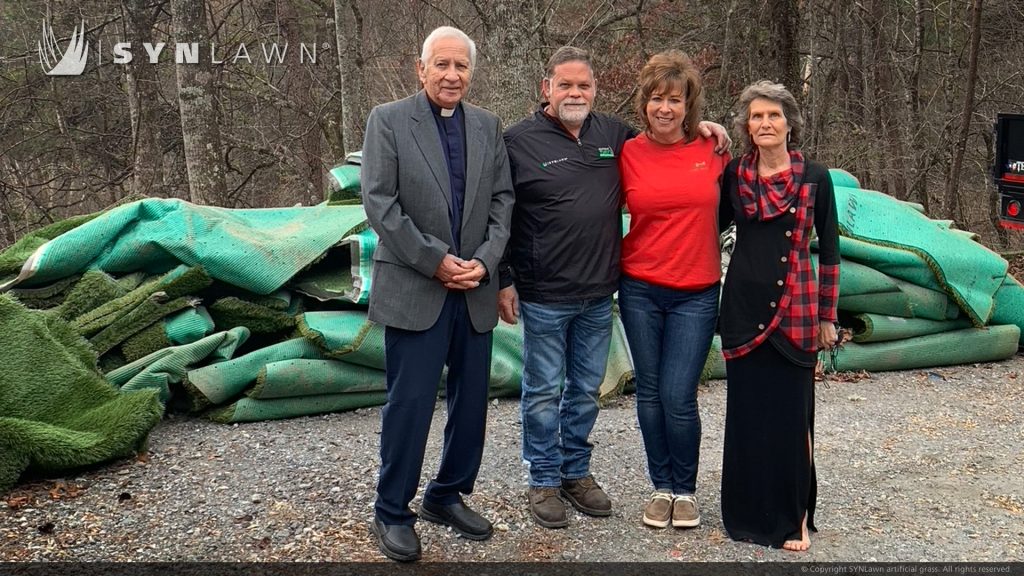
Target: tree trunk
(920,186)
(198,106)
(510,32)
(873,97)
(143,103)
(348,22)
(299,88)
(953,209)
(784,44)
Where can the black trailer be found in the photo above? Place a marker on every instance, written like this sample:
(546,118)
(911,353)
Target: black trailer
(1008,171)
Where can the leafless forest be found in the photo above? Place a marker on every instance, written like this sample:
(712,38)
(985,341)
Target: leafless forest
(902,93)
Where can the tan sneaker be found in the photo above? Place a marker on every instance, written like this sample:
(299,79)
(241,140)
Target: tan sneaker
(684,511)
(658,512)
(587,496)
(546,507)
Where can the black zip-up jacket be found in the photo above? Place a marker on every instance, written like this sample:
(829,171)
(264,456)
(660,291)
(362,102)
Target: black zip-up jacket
(566,223)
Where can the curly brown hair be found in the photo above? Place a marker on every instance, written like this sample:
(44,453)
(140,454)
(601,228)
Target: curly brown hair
(667,70)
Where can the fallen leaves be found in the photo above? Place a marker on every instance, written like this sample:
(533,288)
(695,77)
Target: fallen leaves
(18,502)
(65,491)
(27,496)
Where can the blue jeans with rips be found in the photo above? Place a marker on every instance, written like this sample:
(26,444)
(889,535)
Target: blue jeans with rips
(669,333)
(562,343)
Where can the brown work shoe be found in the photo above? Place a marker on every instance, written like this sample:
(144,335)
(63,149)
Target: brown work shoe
(546,507)
(658,512)
(587,496)
(684,511)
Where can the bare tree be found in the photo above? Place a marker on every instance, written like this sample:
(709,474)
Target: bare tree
(138,17)
(299,87)
(783,45)
(953,208)
(510,31)
(198,106)
(348,21)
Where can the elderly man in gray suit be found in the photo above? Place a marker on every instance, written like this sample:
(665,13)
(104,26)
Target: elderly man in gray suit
(438,192)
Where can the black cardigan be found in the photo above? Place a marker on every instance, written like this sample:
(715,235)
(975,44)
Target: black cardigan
(752,288)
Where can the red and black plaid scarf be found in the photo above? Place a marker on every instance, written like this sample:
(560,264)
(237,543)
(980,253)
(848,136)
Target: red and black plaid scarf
(781,193)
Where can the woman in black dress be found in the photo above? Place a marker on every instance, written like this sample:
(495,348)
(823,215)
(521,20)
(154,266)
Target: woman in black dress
(777,312)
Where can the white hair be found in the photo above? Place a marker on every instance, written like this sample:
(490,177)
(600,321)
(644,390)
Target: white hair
(448,32)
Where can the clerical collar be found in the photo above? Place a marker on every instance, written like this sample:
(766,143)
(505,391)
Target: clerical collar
(442,112)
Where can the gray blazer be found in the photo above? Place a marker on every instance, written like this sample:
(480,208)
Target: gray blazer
(406,194)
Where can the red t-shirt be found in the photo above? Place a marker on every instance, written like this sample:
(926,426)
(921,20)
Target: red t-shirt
(672,193)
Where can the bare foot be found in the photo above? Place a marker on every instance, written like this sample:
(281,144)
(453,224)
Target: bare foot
(802,544)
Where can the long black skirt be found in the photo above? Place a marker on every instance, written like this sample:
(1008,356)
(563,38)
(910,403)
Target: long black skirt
(768,477)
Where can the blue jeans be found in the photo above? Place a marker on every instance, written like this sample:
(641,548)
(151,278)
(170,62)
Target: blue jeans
(669,333)
(564,342)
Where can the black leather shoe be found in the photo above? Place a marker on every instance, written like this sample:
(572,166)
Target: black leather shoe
(460,517)
(397,541)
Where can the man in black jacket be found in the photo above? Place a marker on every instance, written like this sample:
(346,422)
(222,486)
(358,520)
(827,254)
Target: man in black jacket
(561,269)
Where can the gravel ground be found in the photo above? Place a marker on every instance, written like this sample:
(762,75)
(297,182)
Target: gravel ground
(913,466)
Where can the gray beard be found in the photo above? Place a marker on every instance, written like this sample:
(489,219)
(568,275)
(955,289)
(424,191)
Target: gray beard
(571,116)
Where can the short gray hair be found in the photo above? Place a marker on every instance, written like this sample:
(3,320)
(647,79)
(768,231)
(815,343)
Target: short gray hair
(448,32)
(777,93)
(567,54)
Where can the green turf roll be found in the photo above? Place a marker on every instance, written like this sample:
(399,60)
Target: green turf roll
(716,361)
(218,383)
(57,412)
(94,289)
(342,274)
(145,342)
(47,297)
(345,335)
(966,346)
(253,410)
(304,377)
(894,238)
(856,278)
(168,366)
(189,325)
(231,311)
(256,249)
(910,301)
(343,184)
(177,283)
(506,361)
(13,259)
(841,177)
(1009,308)
(879,328)
(944,349)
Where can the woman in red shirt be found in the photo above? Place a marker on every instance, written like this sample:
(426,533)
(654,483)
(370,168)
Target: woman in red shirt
(668,294)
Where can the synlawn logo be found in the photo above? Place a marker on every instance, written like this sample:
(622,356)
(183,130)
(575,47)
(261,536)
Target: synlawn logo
(71,60)
(68,62)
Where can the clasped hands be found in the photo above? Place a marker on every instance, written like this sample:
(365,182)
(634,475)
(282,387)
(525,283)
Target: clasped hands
(458,274)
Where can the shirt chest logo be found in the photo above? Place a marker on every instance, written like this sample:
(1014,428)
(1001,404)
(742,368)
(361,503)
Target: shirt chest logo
(605,152)
(552,162)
